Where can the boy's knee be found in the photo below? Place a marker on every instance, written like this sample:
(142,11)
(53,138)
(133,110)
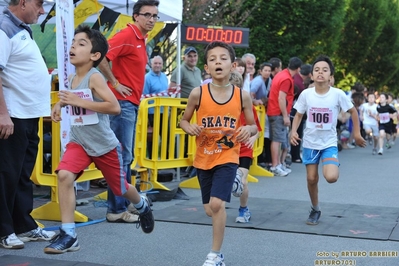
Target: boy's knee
(64,177)
(312,180)
(215,205)
(331,179)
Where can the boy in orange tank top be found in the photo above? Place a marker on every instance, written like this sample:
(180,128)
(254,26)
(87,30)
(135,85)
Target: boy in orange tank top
(218,106)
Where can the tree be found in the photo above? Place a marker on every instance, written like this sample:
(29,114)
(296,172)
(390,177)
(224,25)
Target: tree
(303,28)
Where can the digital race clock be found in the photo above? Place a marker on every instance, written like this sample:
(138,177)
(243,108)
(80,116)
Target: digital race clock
(193,33)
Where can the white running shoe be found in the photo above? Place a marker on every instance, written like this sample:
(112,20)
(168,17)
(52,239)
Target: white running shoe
(11,242)
(213,259)
(286,169)
(238,186)
(278,171)
(36,234)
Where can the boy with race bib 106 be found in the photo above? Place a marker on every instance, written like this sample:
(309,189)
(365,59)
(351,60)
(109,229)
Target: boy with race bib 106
(322,104)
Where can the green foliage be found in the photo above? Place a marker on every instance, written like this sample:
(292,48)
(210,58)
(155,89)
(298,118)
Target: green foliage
(303,28)
(361,36)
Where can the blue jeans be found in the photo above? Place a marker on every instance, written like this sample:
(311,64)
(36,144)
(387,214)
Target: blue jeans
(124,127)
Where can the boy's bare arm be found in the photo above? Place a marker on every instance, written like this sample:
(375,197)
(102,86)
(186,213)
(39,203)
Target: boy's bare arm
(193,101)
(356,128)
(245,132)
(294,138)
(99,87)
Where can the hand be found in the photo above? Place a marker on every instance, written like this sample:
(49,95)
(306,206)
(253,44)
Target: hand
(359,141)
(244,134)
(257,102)
(251,141)
(68,98)
(295,139)
(193,129)
(56,113)
(6,126)
(123,90)
(287,121)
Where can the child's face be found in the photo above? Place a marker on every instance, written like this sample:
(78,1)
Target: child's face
(390,99)
(219,63)
(371,98)
(321,72)
(240,69)
(80,52)
(383,99)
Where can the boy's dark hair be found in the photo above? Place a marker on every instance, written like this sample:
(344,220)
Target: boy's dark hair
(98,41)
(215,44)
(306,69)
(385,94)
(140,3)
(275,62)
(294,63)
(324,58)
(265,64)
(358,87)
(370,93)
(358,99)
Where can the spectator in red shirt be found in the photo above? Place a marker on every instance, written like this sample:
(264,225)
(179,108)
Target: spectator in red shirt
(279,106)
(128,54)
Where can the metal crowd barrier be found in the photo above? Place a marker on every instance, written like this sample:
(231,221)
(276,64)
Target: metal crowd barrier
(171,148)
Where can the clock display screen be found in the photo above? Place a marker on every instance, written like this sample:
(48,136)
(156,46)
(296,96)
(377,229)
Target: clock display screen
(238,37)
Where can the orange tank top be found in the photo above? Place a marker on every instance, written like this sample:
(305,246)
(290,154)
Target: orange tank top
(217,144)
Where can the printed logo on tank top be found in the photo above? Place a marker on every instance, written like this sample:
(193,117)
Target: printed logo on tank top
(220,133)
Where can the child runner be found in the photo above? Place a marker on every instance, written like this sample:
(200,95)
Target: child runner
(92,139)
(368,115)
(246,156)
(385,114)
(394,119)
(322,104)
(218,107)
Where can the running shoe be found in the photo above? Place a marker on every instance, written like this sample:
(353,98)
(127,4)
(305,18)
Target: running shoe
(213,259)
(313,217)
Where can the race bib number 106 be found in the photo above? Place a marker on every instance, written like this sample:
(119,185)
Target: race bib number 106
(320,118)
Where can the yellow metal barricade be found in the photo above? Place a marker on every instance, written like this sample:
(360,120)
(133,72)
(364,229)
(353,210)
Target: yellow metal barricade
(168,144)
(255,169)
(51,210)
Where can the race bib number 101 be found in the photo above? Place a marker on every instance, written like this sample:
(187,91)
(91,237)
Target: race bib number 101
(80,116)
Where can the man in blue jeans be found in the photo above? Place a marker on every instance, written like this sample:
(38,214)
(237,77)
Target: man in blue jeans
(128,55)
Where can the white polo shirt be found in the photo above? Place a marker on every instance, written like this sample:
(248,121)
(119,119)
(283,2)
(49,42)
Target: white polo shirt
(25,79)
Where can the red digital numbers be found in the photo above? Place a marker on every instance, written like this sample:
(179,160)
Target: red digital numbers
(190,33)
(199,36)
(207,35)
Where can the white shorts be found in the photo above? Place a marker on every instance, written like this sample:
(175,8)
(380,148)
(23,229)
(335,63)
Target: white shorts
(373,128)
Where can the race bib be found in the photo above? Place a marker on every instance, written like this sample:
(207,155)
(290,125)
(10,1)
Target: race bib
(384,118)
(320,118)
(80,116)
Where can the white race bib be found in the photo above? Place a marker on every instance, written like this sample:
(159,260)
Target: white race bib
(384,118)
(320,118)
(80,116)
